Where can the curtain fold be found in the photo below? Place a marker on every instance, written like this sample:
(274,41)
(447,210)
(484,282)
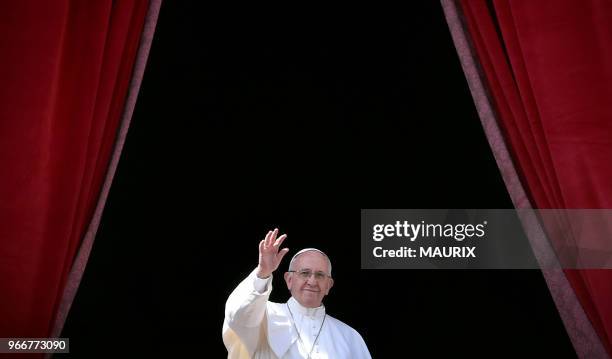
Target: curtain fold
(546,67)
(67,67)
(82,256)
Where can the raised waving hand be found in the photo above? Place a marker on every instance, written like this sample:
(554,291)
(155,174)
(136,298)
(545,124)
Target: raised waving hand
(269,254)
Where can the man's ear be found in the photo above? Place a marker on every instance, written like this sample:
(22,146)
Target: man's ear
(287,279)
(331,284)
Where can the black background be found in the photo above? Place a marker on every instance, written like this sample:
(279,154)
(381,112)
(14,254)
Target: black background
(251,118)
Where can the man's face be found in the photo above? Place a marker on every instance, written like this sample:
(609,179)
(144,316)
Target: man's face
(309,292)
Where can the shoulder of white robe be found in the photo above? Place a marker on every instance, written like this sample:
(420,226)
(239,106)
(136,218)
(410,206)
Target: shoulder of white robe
(353,335)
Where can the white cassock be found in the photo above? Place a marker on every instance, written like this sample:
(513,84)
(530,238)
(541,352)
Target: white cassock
(259,329)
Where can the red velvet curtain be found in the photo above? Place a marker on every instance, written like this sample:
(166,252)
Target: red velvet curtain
(548,67)
(66,68)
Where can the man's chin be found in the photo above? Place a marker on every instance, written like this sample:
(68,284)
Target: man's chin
(310,301)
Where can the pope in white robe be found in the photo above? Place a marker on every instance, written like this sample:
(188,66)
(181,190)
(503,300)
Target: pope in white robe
(300,328)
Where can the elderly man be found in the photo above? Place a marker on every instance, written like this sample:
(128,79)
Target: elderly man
(300,328)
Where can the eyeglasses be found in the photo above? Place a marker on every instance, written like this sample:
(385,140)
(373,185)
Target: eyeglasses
(306,273)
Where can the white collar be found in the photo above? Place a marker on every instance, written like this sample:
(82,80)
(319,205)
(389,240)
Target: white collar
(296,307)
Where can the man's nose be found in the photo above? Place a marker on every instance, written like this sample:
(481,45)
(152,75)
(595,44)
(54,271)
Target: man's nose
(312,281)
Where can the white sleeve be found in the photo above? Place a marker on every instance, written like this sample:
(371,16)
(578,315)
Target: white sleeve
(361,347)
(244,313)
(365,353)
(261,285)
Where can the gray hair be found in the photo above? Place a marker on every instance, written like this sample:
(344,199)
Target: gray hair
(309,250)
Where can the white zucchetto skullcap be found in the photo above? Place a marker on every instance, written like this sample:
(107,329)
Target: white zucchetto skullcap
(309,250)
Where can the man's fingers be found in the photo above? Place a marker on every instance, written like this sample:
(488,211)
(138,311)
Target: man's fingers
(280,240)
(261,245)
(273,237)
(281,254)
(271,243)
(267,239)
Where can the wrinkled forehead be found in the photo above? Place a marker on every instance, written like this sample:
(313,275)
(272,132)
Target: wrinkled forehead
(313,260)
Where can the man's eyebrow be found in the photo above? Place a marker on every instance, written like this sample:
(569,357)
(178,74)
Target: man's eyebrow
(308,269)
